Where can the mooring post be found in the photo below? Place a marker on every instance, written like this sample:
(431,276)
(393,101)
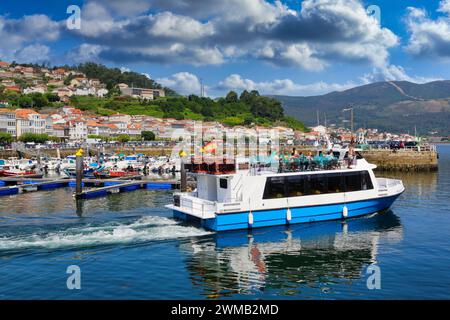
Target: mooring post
(183,184)
(79,170)
(39,167)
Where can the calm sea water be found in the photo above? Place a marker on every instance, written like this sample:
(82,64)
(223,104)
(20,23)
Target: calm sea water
(128,247)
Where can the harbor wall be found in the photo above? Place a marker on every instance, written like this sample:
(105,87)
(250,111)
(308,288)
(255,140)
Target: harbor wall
(396,160)
(402,160)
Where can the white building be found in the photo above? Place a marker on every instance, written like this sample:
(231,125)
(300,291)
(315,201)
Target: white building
(29,121)
(78,129)
(8,121)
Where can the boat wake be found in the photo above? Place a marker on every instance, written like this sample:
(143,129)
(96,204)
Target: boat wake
(145,229)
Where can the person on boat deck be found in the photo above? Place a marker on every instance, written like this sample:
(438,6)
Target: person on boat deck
(351,153)
(294,153)
(330,155)
(319,157)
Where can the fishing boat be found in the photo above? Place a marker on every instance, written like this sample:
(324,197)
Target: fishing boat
(130,163)
(15,171)
(87,172)
(115,173)
(241,194)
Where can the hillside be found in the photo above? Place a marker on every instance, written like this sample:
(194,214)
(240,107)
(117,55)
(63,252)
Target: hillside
(247,109)
(392,106)
(50,88)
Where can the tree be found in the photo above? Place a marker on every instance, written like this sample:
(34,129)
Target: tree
(51,97)
(5,138)
(231,97)
(25,102)
(148,135)
(39,100)
(123,138)
(245,97)
(34,137)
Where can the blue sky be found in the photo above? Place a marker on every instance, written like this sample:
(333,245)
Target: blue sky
(290,47)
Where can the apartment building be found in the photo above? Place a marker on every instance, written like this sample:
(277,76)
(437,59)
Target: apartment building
(78,129)
(142,93)
(29,121)
(8,121)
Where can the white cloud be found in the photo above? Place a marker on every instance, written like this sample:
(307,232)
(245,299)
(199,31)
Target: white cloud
(85,53)
(394,73)
(35,53)
(428,37)
(182,82)
(18,36)
(280,86)
(202,32)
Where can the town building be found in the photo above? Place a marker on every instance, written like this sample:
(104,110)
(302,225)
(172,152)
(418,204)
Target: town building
(77,129)
(8,121)
(142,93)
(29,121)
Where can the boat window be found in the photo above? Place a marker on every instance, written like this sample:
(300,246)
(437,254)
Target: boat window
(296,186)
(275,188)
(315,184)
(318,184)
(223,183)
(353,181)
(366,181)
(336,183)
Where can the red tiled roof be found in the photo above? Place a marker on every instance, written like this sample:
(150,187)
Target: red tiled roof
(24,113)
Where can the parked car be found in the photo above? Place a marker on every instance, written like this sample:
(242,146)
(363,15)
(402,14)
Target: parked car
(395,145)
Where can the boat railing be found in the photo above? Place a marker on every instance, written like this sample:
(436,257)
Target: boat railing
(197,207)
(296,165)
(385,183)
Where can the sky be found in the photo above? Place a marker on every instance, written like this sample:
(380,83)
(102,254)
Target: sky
(289,47)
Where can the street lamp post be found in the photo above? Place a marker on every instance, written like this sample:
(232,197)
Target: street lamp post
(351,118)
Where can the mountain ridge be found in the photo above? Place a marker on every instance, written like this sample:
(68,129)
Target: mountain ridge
(395,106)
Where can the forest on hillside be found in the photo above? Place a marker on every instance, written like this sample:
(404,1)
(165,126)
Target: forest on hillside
(248,108)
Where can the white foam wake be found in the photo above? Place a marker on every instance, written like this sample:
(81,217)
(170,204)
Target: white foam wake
(143,230)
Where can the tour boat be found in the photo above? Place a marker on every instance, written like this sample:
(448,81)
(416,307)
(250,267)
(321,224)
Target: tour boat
(239,194)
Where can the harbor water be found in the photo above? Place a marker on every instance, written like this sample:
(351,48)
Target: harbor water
(127,246)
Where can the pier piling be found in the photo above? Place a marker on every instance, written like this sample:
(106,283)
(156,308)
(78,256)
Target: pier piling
(79,171)
(183,178)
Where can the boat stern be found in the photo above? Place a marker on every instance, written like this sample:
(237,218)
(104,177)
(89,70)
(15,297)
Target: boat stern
(187,207)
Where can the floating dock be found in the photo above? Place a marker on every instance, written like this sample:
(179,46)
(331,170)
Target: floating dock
(96,187)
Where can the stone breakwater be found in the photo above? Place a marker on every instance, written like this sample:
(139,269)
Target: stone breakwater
(402,160)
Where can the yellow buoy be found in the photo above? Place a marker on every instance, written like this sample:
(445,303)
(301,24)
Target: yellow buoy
(79,153)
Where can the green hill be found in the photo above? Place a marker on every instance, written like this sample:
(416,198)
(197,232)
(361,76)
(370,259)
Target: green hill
(247,109)
(392,106)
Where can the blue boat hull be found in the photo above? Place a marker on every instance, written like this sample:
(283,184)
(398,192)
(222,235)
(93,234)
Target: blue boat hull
(276,217)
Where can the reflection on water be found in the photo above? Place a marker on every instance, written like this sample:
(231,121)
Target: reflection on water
(287,258)
(421,183)
(129,247)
